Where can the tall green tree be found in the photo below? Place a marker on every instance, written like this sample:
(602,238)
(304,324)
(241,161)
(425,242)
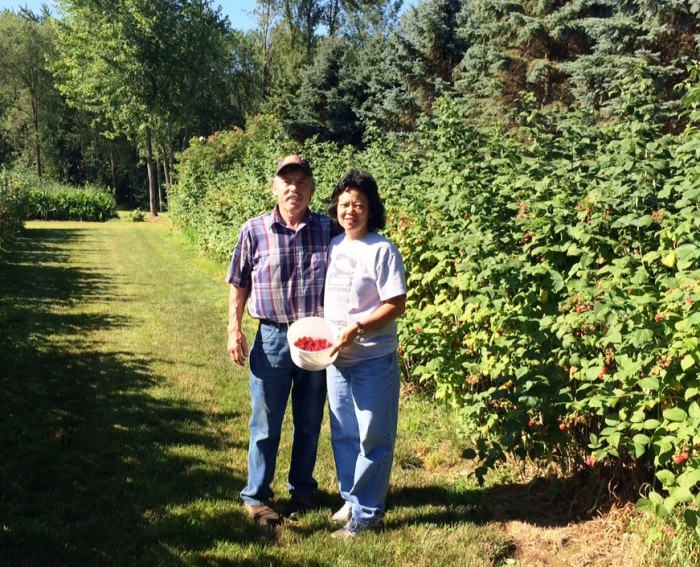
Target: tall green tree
(573,51)
(334,101)
(516,47)
(26,86)
(139,66)
(400,69)
(659,36)
(325,103)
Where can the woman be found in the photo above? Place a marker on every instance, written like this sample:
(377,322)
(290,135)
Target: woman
(365,293)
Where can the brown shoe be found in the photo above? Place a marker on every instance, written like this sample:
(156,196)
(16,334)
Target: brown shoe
(298,506)
(263,515)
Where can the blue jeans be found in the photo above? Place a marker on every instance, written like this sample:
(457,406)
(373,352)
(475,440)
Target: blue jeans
(364,405)
(273,376)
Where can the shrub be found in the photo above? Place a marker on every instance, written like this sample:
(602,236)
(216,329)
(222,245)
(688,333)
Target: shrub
(137,215)
(62,202)
(554,280)
(12,205)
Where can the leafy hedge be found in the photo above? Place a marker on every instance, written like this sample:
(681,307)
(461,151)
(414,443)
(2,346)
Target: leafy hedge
(554,276)
(23,196)
(12,206)
(61,203)
(225,179)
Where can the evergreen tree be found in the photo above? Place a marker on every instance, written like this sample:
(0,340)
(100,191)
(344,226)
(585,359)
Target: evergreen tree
(516,47)
(324,105)
(572,51)
(404,71)
(659,36)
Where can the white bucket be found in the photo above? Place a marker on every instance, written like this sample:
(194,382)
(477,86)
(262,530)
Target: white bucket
(316,328)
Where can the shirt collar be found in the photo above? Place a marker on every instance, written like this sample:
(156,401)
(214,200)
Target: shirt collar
(277,218)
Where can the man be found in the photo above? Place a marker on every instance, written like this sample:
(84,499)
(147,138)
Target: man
(278,267)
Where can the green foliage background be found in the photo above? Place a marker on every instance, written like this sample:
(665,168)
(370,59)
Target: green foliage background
(23,196)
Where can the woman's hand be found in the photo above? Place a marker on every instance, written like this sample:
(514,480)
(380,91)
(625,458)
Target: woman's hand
(387,312)
(345,338)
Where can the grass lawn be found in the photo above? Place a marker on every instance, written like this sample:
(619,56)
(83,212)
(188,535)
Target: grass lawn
(123,432)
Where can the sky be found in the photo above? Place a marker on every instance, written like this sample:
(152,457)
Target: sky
(238,11)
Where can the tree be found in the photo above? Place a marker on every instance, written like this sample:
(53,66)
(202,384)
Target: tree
(139,65)
(572,52)
(26,86)
(324,105)
(656,35)
(398,71)
(347,77)
(516,47)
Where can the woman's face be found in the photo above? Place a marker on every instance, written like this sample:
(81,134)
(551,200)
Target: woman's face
(353,212)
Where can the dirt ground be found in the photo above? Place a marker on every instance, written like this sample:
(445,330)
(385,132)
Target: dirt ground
(553,530)
(599,542)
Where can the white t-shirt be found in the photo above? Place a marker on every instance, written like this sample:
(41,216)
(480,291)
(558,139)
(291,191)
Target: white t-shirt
(361,274)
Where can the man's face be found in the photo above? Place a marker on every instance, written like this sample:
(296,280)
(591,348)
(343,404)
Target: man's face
(293,189)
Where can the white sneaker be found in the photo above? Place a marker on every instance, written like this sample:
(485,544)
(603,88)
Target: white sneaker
(343,515)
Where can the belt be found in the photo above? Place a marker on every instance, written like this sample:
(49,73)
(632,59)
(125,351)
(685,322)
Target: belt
(275,324)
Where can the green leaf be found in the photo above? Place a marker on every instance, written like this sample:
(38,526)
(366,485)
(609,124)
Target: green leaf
(645,505)
(675,414)
(669,260)
(689,478)
(656,498)
(682,494)
(691,393)
(649,383)
(690,517)
(642,337)
(687,362)
(666,477)
(694,410)
(641,439)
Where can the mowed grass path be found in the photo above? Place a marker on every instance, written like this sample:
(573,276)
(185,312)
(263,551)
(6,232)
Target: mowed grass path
(123,424)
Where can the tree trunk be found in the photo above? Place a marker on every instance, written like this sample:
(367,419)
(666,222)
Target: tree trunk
(37,135)
(163,152)
(113,168)
(171,152)
(152,196)
(159,180)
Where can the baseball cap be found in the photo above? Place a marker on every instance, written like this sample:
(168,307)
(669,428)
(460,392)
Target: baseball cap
(293,161)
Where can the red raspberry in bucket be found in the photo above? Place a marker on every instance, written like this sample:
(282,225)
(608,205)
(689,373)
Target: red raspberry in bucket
(310,344)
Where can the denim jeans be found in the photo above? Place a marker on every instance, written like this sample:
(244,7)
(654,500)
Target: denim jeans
(364,404)
(273,376)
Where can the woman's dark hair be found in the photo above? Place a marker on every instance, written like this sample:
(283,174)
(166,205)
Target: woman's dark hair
(365,184)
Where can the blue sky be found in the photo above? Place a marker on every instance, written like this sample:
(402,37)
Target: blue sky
(236,10)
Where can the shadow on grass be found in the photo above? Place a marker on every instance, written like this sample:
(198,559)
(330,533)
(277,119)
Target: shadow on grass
(541,502)
(93,469)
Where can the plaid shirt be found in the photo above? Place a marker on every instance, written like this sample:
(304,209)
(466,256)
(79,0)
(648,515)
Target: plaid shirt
(284,269)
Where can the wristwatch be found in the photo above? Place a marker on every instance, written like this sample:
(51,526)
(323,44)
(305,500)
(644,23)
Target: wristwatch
(360,328)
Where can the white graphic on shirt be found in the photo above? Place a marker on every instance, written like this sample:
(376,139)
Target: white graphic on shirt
(339,282)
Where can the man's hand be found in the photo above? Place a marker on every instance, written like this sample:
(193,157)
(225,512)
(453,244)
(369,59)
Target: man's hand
(237,347)
(236,344)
